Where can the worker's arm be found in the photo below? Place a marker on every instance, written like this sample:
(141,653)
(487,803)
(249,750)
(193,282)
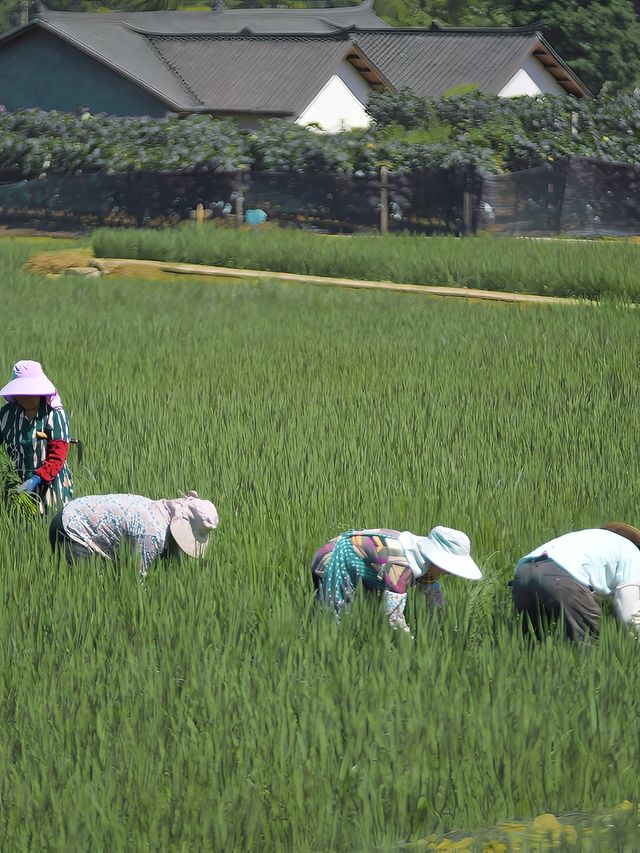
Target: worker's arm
(397,579)
(626,605)
(433,592)
(57,451)
(56,434)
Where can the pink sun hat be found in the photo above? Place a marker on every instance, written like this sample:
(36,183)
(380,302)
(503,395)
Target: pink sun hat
(29,380)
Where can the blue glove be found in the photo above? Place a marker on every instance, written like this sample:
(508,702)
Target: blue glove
(30,485)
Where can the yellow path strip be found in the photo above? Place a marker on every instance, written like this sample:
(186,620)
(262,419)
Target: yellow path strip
(124,266)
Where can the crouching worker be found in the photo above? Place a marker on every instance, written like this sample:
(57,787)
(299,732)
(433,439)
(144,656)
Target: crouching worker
(99,525)
(390,561)
(34,428)
(568,578)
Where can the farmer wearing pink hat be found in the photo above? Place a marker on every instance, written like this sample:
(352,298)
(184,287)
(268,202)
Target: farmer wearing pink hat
(34,428)
(99,525)
(390,561)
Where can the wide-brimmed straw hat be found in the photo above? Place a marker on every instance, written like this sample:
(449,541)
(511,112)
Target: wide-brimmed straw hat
(28,380)
(622,529)
(191,522)
(450,550)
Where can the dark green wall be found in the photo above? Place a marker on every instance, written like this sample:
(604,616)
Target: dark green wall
(40,70)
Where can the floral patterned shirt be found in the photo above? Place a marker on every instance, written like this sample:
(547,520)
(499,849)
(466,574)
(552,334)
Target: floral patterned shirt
(102,524)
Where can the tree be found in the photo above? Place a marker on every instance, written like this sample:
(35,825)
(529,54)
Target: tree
(9,14)
(599,39)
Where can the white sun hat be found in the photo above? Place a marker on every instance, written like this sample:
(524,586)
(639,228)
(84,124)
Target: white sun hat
(450,550)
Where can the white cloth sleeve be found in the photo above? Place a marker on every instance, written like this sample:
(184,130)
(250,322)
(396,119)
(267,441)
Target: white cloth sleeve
(626,605)
(394,604)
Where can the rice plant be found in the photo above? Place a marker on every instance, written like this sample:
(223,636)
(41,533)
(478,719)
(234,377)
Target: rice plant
(588,269)
(12,502)
(216,707)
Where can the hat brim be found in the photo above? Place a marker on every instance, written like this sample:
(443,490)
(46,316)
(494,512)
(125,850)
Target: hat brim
(28,386)
(193,544)
(462,566)
(627,530)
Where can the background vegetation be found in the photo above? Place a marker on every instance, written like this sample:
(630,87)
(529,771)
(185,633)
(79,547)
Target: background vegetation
(488,133)
(215,707)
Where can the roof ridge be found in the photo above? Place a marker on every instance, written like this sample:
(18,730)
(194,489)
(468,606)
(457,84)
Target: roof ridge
(173,70)
(248,35)
(437,29)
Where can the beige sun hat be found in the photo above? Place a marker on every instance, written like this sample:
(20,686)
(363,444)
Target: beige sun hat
(627,530)
(450,550)
(191,521)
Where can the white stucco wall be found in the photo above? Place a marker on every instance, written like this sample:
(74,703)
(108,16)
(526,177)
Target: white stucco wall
(340,104)
(531,79)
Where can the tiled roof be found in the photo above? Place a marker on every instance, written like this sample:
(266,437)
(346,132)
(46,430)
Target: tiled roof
(431,62)
(278,75)
(225,61)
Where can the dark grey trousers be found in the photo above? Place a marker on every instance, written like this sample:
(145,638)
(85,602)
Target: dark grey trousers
(546,593)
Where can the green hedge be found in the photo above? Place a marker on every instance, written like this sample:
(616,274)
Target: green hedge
(489,133)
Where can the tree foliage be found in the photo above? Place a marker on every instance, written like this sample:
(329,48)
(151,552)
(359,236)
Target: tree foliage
(600,39)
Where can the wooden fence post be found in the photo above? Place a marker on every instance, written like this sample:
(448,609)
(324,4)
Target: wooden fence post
(384,200)
(240,204)
(467,215)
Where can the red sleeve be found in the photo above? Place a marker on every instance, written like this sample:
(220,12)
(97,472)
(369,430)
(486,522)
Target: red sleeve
(57,451)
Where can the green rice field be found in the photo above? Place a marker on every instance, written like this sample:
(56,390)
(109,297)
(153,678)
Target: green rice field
(215,708)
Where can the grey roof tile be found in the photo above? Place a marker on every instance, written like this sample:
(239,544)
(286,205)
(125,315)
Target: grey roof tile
(277,75)
(430,63)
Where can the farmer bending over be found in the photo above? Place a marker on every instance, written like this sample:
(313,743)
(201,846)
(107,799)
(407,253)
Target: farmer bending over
(34,428)
(390,561)
(99,525)
(570,575)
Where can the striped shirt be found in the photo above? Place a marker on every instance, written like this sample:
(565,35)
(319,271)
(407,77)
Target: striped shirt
(27,441)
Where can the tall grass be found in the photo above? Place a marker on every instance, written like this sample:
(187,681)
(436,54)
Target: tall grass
(216,708)
(555,268)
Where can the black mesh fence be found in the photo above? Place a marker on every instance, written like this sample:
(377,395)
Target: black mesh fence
(426,202)
(570,196)
(527,202)
(433,201)
(601,199)
(575,196)
(136,198)
(316,201)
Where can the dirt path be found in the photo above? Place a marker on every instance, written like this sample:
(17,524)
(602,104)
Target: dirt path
(57,262)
